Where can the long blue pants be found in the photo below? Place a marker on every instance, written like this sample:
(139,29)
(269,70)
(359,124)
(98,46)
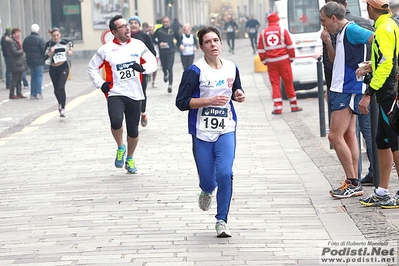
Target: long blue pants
(214,162)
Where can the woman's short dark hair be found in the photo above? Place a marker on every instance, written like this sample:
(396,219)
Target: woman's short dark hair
(14,30)
(205,30)
(112,25)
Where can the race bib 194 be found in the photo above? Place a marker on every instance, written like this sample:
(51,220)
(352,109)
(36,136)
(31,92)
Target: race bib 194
(213,119)
(125,72)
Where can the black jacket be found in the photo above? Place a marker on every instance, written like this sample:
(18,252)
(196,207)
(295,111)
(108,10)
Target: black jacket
(4,44)
(166,35)
(33,46)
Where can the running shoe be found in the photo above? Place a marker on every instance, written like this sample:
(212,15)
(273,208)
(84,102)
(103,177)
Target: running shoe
(130,166)
(62,113)
(392,203)
(222,230)
(367,180)
(347,190)
(374,200)
(120,157)
(205,201)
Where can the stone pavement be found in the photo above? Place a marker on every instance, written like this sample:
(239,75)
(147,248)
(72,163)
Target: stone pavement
(63,202)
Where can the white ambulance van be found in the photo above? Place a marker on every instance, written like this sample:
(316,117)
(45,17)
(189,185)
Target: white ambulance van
(302,20)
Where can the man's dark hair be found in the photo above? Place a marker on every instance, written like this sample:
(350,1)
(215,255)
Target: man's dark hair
(112,25)
(207,29)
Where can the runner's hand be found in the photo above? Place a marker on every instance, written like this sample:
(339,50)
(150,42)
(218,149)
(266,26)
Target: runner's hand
(105,87)
(137,67)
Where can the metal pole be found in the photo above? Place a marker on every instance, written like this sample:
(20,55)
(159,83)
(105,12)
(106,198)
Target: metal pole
(374,122)
(320,85)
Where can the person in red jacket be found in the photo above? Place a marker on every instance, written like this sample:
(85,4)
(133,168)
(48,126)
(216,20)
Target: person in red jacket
(276,50)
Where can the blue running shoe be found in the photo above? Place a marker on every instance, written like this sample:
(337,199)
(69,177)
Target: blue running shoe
(130,166)
(120,157)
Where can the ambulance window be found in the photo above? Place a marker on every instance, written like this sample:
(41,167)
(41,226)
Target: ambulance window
(354,7)
(303,16)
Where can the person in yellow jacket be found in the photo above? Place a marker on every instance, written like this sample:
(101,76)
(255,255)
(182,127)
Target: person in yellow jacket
(383,83)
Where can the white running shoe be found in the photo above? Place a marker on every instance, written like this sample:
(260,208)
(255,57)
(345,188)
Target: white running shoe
(222,230)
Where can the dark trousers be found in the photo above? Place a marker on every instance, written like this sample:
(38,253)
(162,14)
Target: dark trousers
(15,86)
(167,61)
(186,60)
(144,83)
(59,76)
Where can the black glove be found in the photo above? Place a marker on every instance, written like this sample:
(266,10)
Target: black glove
(137,67)
(105,87)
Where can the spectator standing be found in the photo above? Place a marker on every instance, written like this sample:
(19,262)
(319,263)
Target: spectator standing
(136,33)
(34,48)
(213,135)
(17,63)
(57,51)
(363,120)
(164,38)
(252,26)
(345,92)
(276,50)
(384,84)
(230,27)
(123,59)
(7,33)
(188,47)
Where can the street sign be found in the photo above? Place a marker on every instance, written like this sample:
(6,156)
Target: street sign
(106,36)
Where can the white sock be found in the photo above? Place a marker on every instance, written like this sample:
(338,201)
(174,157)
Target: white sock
(382,191)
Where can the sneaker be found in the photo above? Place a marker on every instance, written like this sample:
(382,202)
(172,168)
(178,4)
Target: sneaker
(170,89)
(367,180)
(222,230)
(205,201)
(62,113)
(374,200)
(154,85)
(392,203)
(120,157)
(32,97)
(130,166)
(347,190)
(39,96)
